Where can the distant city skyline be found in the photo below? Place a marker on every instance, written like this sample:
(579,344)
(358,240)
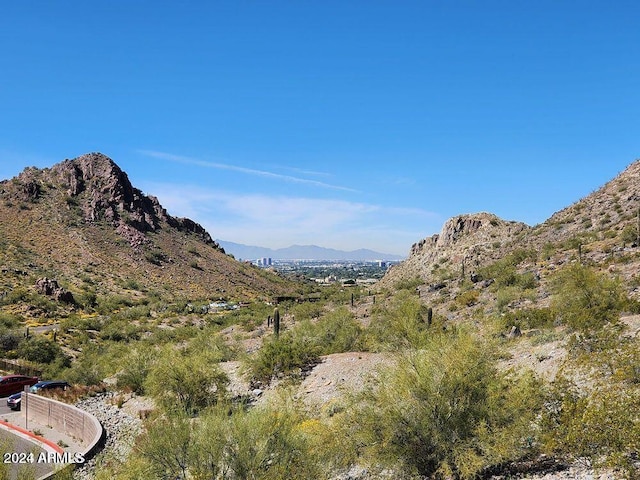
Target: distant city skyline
(343,125)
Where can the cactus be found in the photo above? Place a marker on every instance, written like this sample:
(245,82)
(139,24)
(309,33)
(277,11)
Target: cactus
(276,322)
(638,225)
(429,316)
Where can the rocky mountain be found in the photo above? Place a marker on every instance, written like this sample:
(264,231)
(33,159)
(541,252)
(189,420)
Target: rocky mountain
(465,241)
(82,223)
(598,228)
(303,252)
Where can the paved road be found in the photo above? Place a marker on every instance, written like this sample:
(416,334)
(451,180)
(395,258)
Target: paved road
(4,410)
(45,328)
(20,457)
(15,449)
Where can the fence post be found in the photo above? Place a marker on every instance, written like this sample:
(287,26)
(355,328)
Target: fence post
(24,400)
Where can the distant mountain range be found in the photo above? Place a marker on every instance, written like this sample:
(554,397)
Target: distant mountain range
(302,252)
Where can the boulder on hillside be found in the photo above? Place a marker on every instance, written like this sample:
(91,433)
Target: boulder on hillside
(50,288)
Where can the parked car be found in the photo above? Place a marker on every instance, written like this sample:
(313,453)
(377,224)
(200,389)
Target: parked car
(49,385)
(10,384)
(14,401)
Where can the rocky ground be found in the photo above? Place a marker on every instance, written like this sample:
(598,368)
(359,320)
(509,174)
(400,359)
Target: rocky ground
(121,425)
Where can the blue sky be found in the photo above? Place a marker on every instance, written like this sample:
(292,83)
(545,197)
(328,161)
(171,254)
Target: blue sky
(345,124)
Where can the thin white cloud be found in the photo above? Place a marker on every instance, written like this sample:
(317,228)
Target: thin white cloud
(248,171)
(308,172)
(279,221)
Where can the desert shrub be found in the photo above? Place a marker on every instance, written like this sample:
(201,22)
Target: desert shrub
(446,411)
(112,303)
(400,324)
(265,443)
(629,234)
(583,345)
(131,284)
(155,257)
(87,299)
(505,274)
(337,332)
(249,317)
(9,320)
(527,281)
(39,349)
(133,313)
(467,298)
(184,383)
(261,444)
(409,284)
(580,239)
(96,362)
(521,255)
(290,354)
(211,346)
(529,318)
(16,295)
(137,363)
(81,323)
(166,447)
(598,424)
(625,362)
(45,304)
(119,331)
(585,299)
(506,295)
(548,249)
(9,340)
(307,310)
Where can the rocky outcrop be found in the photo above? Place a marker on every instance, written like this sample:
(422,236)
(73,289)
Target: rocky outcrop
(465,242)
(108,193)
(103,192)
(469,229)
(50,288)
(31,191)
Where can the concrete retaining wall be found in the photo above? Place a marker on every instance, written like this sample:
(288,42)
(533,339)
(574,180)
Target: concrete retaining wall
(65,418)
